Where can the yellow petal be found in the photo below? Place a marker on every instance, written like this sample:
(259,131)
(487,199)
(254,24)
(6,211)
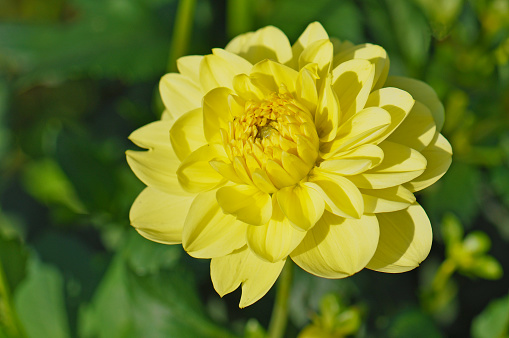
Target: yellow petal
(306,92)
(417,130)
(186,134)
(266,43)
(302,205)
(237,63)
(319,52)
(395,101)
(179,94)
(313,32)
(275,240)
(243,266)
(277,175)
(387,200)
(354,161)
(327,112)
(367,126)
(294,166)
(249,88)
(401,164)
(272,75)
(338,247)
(374,54)
(216,114)
(208,232)
(341,196)
(421,92)
(160,216)
(246,202)
(195,174)
(352,81)
(226,169)
(189,66)
(405,240)
(153,135)
(439,157)
(216,71)
(263,182)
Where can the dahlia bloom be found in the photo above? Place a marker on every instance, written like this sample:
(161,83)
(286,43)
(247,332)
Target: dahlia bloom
(311,151)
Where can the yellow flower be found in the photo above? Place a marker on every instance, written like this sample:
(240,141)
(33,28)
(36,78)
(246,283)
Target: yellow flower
(268,150)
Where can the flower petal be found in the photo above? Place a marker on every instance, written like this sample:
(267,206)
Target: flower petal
(301,204)
(195,173)
(313,32)
(319,52)
(159,216)
(387,200)
(266,43)
(401,164)
(354,161)
(216,114)
(417,130)
(341,196)
(374,54)
(352,81)
(246,202)
(189,66)
(396,102)
(179,94)
(208,232)
(186,134)
(249,88)
(327,112)
(275,240)
(338,247)
(405,240)
(243,266)
(306,92)
(217,71)
(366,126)
(439,157)
(153,135)
(272,75)
(422,92)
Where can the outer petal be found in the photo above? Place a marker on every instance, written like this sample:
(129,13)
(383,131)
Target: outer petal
(354,161)
(373,53)
(266,43)
(439,157)
(341,196)
(338,247)
(179,94)
(216,113)
(387,200)
(189,66)
(352,82)
(275,240)
(159,216)
(306,92)
(156,167)
(216,70)
(421,92)
(243,266)
(272,75)
(417,130)
(302,205)
(327,112)
(319,52)
(249,204)
(313,32)
(405,240)
(395,101)
(367,126)
(195,173)
(208,232)
(186,134)
(401,164)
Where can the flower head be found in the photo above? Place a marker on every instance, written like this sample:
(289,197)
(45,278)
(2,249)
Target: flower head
(268,150)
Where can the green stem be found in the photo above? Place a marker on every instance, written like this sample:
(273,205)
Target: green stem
(279,316)
(443,274)
(238,17)
(8,319)
(181,32)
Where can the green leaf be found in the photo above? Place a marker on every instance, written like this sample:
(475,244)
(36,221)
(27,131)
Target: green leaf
(477,242)
(452,230)
(493,322)
(486,267)
(161,304)
(413,323)
(39,302)
(13,258)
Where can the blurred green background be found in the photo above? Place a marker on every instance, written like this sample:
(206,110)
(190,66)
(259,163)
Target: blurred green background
(77,76)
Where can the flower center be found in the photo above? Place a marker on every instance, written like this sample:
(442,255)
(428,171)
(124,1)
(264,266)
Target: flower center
(276,135)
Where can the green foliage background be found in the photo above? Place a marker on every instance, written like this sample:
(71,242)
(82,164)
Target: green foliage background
(77,76)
